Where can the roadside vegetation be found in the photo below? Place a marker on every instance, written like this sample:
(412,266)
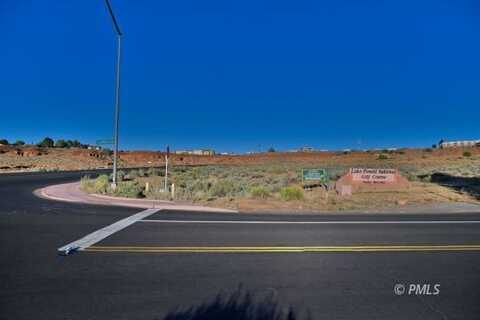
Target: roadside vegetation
(279,186)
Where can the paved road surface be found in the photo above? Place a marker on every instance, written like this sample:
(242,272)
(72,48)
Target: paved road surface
(140,282)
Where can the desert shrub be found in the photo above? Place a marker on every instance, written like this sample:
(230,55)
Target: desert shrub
(222,188)
(427,150)
(467,154)
(101,184)
(154,172)
(129,189)
(291,193)
(120,175)
(46,143)
(159,195)
(132,174)
(87,184)
(17,143)
(259,192)
(382,157)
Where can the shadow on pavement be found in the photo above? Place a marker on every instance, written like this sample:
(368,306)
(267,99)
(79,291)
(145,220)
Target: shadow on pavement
(240,305)
(470,185)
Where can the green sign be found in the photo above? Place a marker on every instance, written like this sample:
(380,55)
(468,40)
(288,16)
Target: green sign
(315,175)
(104,141)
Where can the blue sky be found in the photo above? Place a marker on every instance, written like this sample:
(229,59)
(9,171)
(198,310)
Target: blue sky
(241,75)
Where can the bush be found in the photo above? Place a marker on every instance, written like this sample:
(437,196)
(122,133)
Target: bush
(46,143)
(154,172)
(467,154)
(4,142)
(102,184)
(259,192)
(222,188)
(61,143)
(382,157)
(427,150)
(129,189)
(87,184)
(291,193)
(120,175)
(19,143)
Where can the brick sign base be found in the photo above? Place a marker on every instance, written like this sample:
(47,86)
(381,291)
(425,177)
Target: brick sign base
(372,179)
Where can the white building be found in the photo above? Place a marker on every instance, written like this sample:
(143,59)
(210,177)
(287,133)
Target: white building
(458,144)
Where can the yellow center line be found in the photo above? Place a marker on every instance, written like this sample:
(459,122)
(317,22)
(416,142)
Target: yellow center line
(284,249)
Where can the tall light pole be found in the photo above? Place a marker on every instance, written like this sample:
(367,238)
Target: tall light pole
(117,91)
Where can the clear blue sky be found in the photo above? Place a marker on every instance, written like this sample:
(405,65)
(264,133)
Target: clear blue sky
(236,75)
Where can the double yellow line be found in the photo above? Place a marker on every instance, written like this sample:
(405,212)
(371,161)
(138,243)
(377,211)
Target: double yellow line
(280,249)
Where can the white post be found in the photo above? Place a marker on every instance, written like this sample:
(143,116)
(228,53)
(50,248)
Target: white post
(166,173)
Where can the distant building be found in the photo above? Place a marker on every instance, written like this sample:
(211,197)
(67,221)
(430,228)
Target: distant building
(306,149)
(197,152)
(458,144)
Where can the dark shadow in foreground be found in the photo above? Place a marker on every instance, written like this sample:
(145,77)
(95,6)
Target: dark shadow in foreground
(470,185)
(239,305)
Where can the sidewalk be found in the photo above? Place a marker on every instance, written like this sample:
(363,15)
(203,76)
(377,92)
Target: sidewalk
(70,192)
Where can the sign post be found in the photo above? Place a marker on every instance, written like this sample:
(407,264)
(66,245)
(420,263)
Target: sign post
(167,154)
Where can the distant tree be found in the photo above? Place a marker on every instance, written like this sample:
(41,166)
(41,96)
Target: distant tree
(76,144)
(46,143)
(19,143)
(60,143)
(69,143)
(4,142)
(434,146)
(271,149)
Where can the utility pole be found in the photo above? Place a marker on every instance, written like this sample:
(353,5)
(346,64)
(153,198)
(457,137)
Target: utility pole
(117,91)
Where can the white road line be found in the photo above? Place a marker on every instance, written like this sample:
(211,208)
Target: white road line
(101,234)
(316,222)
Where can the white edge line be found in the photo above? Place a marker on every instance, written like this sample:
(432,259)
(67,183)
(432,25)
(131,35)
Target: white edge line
(105,232)
(315,222)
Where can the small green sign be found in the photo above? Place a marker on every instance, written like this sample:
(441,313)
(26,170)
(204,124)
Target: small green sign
(315,175)
(104,142)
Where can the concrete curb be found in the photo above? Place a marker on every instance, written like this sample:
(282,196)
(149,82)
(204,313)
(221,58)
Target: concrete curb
(70,192)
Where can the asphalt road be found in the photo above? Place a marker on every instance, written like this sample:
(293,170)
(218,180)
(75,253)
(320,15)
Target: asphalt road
(37,283)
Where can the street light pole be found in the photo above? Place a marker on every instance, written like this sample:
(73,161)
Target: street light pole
(117,91)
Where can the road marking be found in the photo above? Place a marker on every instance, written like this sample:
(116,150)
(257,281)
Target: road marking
(286,249)
(101,234)
(317,222)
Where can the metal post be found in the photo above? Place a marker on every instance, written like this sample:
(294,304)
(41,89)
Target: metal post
(117,110)
(166,173)
(117,91)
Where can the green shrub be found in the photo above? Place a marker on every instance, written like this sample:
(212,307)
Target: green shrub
(154,172)
(129,189)
(259,192)
(467,154)
(87,184)
(120,175)
(18,143)
(102,184)
(222,188)
(291,193)
(382,157)
(46,143)
(132,174)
